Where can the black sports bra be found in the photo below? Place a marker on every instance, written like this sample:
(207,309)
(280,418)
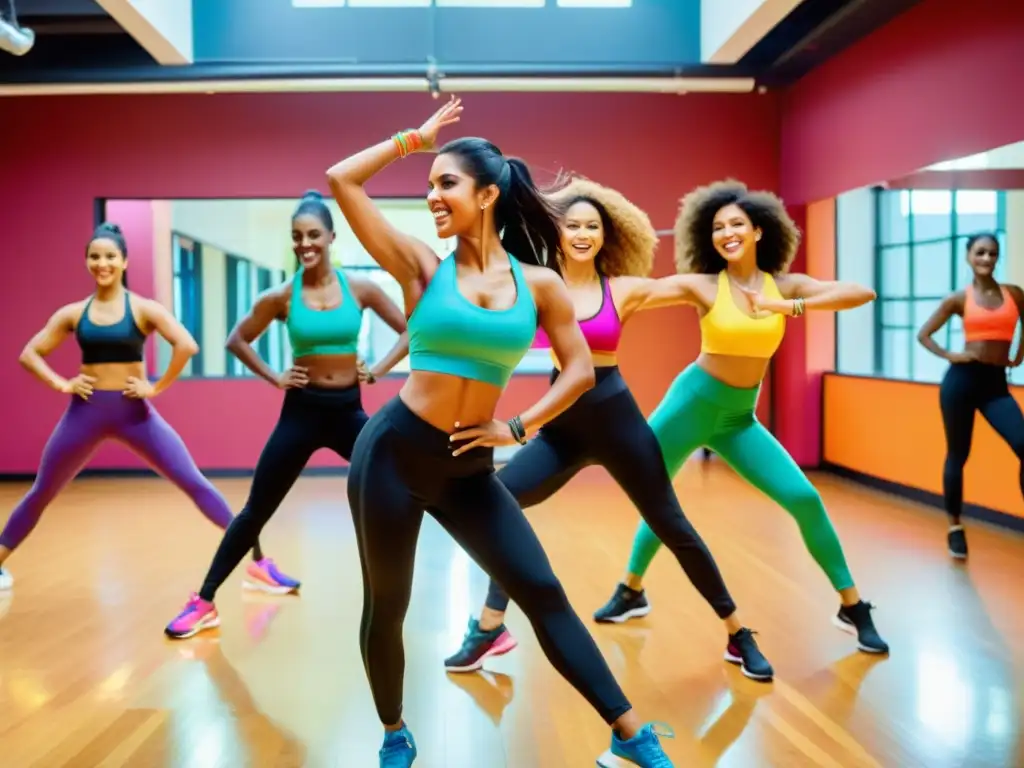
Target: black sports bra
(121,342)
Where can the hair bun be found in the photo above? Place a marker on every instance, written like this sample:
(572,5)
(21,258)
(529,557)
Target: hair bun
(312,194)
(108,226)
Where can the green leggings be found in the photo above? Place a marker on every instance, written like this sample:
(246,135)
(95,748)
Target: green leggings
(699,410)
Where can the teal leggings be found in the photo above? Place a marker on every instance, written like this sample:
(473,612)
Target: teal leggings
(699,410)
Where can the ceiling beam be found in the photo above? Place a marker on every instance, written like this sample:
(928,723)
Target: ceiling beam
(666,85)
(730,28)
(162,27)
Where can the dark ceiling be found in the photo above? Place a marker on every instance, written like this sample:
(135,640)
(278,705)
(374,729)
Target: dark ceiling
(77,41)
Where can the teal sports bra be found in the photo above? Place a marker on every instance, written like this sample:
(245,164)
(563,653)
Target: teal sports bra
(450,334)
(323,332)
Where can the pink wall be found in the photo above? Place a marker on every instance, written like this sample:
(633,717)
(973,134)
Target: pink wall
(72,150)
(934,84)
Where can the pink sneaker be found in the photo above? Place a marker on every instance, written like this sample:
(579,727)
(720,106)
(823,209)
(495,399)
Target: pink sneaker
(264,576)
(197,616)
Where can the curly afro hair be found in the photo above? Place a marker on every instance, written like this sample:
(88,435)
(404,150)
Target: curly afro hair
(629,236)
(695,252)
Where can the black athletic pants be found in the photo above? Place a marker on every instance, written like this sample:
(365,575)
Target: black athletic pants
(311,418)
(606,427)
(402,465)
(966,388)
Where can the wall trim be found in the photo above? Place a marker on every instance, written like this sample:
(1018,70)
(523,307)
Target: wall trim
(927,498)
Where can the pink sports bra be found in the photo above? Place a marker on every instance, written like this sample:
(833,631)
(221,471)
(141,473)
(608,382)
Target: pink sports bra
(602,331)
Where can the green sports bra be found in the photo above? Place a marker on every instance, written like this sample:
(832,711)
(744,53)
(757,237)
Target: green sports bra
(323,332)
(450,334)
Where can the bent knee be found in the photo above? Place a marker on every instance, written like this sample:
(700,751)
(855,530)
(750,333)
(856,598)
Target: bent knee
(804,501)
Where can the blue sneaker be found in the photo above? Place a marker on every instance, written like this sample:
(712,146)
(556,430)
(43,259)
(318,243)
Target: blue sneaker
(399,749)
(643,750)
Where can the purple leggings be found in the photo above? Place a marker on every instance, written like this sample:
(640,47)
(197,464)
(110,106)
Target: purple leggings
(86,424)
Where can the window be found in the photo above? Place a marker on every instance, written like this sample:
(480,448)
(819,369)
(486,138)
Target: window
(921,239)
(187,292)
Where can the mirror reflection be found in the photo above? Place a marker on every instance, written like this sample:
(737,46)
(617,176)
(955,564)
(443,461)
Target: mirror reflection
(908,239)
(210,259)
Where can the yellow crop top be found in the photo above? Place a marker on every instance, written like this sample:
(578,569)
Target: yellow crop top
(728,330)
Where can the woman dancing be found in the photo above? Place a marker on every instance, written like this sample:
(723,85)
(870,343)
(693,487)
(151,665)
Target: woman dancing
(322,310)
(976,380)
(110,393)
(608,248)
(736,246)
(473,317)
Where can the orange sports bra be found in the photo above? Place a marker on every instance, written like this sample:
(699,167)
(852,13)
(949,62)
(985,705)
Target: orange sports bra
(997,324)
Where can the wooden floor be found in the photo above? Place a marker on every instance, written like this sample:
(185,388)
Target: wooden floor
(87,678)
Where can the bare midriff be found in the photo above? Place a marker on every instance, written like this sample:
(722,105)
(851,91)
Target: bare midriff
(739,372)
(443,400)
(330,371)
(113,376)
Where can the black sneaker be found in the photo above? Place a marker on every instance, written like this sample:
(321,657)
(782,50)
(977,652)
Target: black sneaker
(479,645)
(742,649)
(856,620)
(625,604)
(957,541)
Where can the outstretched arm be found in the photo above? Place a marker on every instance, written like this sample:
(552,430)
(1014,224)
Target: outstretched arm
(643,293)
(410,261)
(834,295)
(60,325)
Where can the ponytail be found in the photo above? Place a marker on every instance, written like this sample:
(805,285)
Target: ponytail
(527,221)
(529,218)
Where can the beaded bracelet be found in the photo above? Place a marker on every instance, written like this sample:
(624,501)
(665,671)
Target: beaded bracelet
(798,307)
(407,142)
(518,430)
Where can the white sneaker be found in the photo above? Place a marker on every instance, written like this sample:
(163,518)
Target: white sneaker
(6,580)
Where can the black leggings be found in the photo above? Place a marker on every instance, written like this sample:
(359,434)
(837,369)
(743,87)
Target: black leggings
(402,465)
(966,388)
(311,418)
(606,427)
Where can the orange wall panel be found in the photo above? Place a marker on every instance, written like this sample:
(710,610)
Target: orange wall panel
(893,430)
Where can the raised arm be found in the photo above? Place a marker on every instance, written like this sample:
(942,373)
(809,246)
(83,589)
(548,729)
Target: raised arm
(267,308)
(642,293)
(410,261)
(372,296)
(951,305)
(183,348)
(60,325)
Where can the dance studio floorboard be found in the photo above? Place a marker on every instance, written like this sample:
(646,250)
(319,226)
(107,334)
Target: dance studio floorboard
(88,679)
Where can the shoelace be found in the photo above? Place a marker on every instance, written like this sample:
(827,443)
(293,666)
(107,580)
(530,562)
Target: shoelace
(396,747)
(650,749)
(745,639)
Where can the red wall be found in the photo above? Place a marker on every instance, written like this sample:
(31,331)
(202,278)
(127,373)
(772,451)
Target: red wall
(940,81)
(68,151)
